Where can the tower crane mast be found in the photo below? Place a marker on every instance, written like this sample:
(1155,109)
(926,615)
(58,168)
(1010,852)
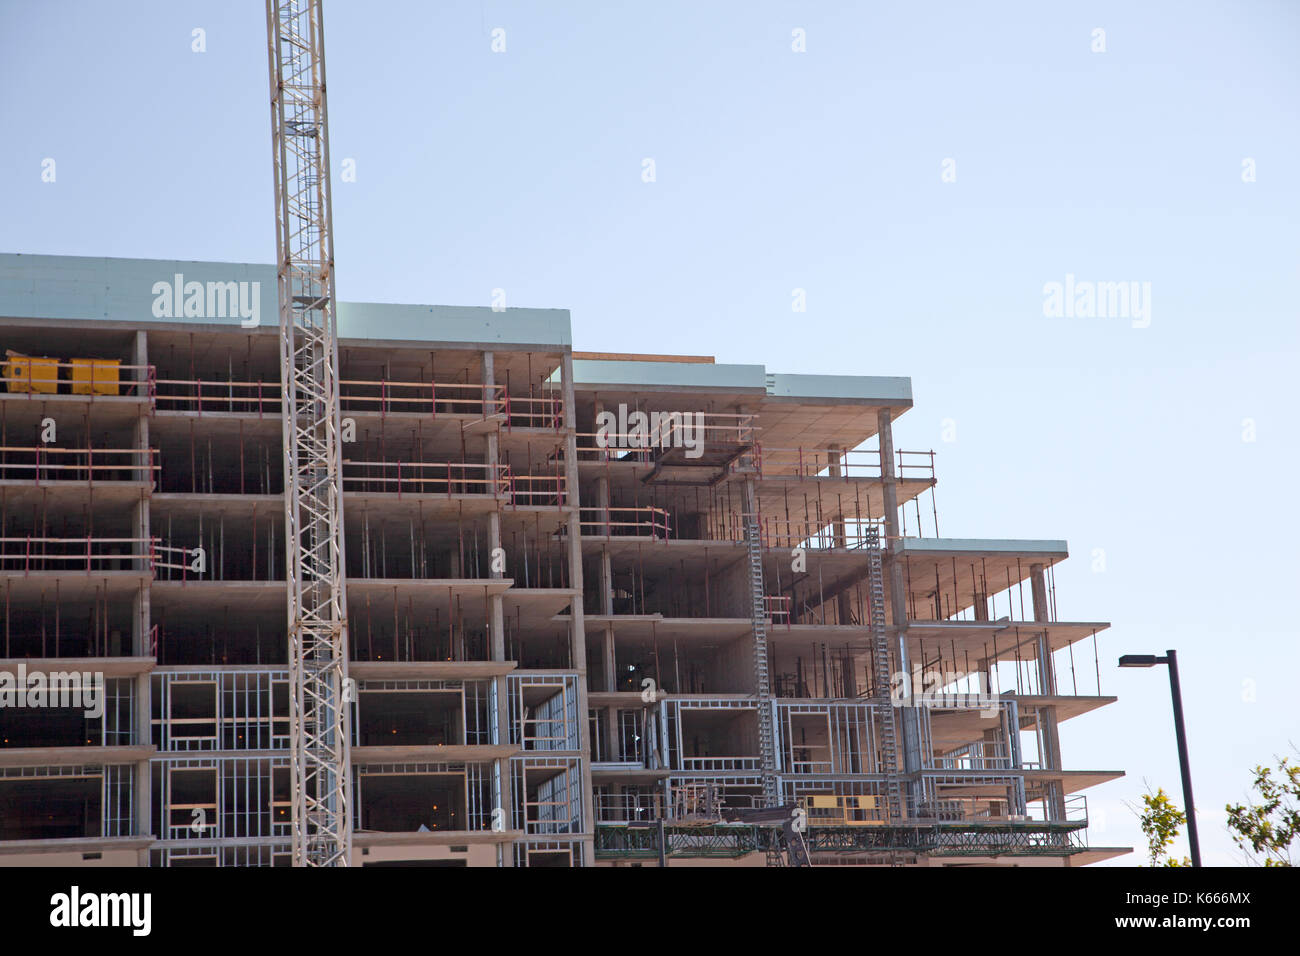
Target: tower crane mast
(320,728)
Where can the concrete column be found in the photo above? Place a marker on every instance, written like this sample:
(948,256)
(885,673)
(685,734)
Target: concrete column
(843,601)
(893,570)
(141,624)
(909,731)
(981,609)
(142,621)
(606,582)
(496,624)
(612,736)
(1050,736)
(578,634)
(142,791)
(611,660)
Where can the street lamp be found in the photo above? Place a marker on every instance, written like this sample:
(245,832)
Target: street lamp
(1171,658)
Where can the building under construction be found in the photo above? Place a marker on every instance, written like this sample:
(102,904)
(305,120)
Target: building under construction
(601,609)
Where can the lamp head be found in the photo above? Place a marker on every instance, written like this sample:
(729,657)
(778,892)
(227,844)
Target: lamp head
(1139,660)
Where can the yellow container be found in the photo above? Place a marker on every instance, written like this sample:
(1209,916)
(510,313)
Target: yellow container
(95,376)
(24,373)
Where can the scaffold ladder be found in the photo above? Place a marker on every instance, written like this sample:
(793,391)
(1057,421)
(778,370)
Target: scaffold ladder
(880,664)
(762,682)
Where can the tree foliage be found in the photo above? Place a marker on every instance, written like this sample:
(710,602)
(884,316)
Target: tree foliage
(1160,820)
(1268,827)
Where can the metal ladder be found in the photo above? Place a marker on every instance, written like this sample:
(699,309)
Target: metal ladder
(762,684)
(880,662)
(787,847)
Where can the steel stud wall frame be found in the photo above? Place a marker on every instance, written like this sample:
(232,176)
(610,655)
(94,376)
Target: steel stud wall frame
(318,640)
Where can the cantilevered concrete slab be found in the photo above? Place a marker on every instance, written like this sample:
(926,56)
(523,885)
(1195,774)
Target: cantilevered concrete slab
(87,756)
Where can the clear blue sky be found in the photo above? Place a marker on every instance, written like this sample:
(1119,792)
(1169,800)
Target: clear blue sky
(821,170)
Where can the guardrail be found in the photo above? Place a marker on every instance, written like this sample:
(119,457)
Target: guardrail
(977,755)
(531,411)
(446,478)
(366,396)
(1076,810)
(624,808)
(777,608)
(714,764)
(35,554)
(791,533)
(817,462)
(832,463)
(538,490)
(420,398)
(632,522)
(46,464)
(450,479)
(197,395)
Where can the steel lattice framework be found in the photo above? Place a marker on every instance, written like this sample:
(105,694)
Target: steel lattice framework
(318,640)
(736,840)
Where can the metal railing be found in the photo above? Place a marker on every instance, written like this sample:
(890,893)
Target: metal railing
(534,411)
(446,478)
(420,398)
(977,755)
(643,522)
(833,463)
(1076,809)
(27,554)
(452,479)
(197,395)
(45,464)
(817,462)
(538,490)
(624,807)
(777,608)
(714,764)
(367,396)
(777,532)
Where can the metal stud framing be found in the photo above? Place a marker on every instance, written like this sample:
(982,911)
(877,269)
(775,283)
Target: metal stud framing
(322,830)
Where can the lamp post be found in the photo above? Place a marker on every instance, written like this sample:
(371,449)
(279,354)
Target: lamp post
(1171,658)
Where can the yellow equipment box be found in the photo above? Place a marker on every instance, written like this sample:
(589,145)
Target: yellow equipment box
(24,373)
(95,376)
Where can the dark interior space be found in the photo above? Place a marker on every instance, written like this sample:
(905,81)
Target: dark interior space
(50,809)
(405,803)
